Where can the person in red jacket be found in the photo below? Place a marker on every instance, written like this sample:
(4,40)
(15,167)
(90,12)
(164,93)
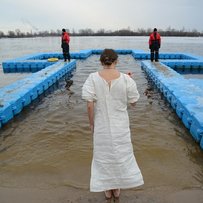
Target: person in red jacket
(65,39)
(154,45)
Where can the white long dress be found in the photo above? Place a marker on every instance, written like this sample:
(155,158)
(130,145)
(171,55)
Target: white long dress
(113,165)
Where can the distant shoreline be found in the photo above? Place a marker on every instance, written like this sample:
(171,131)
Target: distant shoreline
(16,37)
(102,33)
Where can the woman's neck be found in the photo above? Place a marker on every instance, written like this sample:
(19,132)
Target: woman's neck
(111,67)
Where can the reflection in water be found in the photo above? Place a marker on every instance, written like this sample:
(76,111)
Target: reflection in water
(50,145)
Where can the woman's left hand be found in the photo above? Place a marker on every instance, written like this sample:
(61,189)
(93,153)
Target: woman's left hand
(130,74)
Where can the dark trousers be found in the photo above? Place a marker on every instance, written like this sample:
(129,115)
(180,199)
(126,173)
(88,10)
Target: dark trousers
(66,54)
(154,54)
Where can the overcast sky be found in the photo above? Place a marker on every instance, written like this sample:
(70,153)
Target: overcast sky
(38,15)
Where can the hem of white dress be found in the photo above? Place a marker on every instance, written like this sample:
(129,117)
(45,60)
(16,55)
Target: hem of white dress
(133,185)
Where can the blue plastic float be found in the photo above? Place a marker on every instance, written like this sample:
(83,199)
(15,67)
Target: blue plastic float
(184,95)
(14,97)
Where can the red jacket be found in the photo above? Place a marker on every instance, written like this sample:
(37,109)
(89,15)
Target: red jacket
(155,41)
(65,38)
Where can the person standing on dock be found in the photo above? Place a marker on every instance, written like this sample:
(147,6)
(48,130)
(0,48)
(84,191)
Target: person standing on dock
(65,39)
(154,45)
(108,93)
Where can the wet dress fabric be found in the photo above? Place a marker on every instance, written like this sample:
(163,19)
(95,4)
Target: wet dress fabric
(113,164)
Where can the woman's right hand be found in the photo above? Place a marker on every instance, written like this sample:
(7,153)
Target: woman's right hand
(92,129)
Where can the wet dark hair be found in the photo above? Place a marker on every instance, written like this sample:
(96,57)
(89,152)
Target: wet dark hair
(63,30)
(108,56)
(155,29)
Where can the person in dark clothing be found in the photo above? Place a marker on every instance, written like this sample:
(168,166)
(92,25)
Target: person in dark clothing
(154,45)
(65,39)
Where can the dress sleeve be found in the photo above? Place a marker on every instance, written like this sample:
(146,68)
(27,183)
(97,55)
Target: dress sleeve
(132,92)
(88,89)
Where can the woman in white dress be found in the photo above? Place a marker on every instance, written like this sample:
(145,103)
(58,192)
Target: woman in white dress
(107,93)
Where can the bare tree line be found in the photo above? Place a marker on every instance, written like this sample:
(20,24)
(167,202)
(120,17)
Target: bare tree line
(17,33)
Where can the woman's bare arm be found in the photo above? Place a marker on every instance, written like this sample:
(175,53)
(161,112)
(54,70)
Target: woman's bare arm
(90,110)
